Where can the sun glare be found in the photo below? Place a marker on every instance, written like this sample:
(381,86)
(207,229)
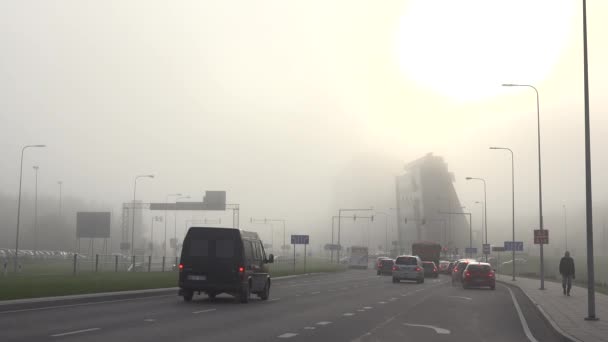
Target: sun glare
(466,49)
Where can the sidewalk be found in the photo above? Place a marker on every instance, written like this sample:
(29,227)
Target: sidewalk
(567,313)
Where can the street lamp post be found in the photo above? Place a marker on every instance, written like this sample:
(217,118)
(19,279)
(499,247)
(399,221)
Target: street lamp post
(165,243)
(385,228)
(36,209)
(512,200)
(565,227)
(588,198)
(485,208)
(175,222)
(255,221)
(483,215)
(540,183)
(19,204)
(133,214)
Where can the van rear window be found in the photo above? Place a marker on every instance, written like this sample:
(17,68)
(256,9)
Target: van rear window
(211,248)
(199,248)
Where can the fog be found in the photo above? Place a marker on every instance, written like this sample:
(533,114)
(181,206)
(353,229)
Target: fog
(296,109)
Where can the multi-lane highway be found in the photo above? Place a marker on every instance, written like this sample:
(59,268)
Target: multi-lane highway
(348,306)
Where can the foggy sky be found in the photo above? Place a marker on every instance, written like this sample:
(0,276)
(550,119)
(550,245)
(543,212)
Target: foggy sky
(274,102)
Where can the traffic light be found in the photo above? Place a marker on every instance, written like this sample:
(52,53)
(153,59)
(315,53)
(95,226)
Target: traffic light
(372,218)
(355,217)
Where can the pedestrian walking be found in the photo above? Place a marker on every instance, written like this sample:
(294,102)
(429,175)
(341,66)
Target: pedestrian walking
(566,269)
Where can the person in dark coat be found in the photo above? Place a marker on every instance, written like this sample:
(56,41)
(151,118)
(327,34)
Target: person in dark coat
(566,269)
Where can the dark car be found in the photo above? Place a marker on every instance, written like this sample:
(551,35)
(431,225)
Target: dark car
(479,274)
(451,267)
(378,265)
(223,260)
(385,266)
(430,269)
(459,269)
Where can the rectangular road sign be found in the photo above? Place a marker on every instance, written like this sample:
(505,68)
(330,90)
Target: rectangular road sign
(486,248)
(541,237)
(299,239)
(498,249)
(470,250)
(519,246)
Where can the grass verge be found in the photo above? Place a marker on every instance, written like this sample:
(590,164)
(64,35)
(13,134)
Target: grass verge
(32,286)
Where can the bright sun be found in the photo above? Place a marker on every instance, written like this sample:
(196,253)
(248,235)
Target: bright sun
(465,49)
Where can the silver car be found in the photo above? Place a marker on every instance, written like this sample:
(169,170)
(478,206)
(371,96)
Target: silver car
(408,267)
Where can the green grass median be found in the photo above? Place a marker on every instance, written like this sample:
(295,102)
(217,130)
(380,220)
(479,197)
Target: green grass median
(32,285)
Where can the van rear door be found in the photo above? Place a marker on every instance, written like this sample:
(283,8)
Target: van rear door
(212,255)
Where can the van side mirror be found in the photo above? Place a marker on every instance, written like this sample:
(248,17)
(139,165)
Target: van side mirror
(270,259)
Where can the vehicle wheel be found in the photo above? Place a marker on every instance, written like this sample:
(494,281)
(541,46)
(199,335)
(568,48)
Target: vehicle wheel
(245,294)
(378,273)
(211,295)
(464,286)
(266,292)
(421,281)
(492,288)
(395,280)
(188,296)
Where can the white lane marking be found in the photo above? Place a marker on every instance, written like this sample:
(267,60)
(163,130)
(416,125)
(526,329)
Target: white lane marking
(381,302)
(344,288)
(461,297)
(149,320)
(287,335)
(75,332)
(203,311)
(316,292)
(393,299)
(323,323)
(298,295)
(274,299)
(404,294)
(360,310)
(83,304)
(368,307)
(309,328)
(438,330)
(419,290)
(524,324)
(349,314)
(332,290)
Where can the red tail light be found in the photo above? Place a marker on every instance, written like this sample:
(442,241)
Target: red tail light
(467,274)
(395,268)
(434,270)
(418,269)
(180,266)
(241,269)
(491,275)
(455,270)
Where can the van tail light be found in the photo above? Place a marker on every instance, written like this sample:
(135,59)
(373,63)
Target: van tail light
(418,269)
(181,267)
(434,269)
(491,275)
(395,268)
(467,274)
(455,270)
(241,269)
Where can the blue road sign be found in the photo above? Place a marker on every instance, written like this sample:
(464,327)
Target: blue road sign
(470,250)
(519,246)
(299,239)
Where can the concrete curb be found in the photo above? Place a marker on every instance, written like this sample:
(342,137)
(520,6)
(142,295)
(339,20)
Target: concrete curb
(546,316)
(115,294)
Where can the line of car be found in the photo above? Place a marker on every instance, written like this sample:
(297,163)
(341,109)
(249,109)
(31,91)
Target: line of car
(465,272)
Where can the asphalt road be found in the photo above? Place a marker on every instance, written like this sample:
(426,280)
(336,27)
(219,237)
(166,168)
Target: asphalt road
(348,306)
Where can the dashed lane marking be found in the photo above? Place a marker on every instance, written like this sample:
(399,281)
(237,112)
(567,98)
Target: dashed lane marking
(274,299)
(323,323)
(287,335)
(149,320)
(381,302)
(75,332)
(309,328)
(348,314)
(316,292)
(203,311)
(367,307)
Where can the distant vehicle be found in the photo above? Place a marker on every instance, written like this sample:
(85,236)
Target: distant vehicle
(459,269)
(359,257)
(443,266)
(224,260)
(451,267)
(430,269)
(378,265)
(386,267)
(479,274)
(408,267)
(427,251)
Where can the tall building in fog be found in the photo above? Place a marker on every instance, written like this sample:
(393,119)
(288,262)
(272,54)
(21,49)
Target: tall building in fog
(423,191)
